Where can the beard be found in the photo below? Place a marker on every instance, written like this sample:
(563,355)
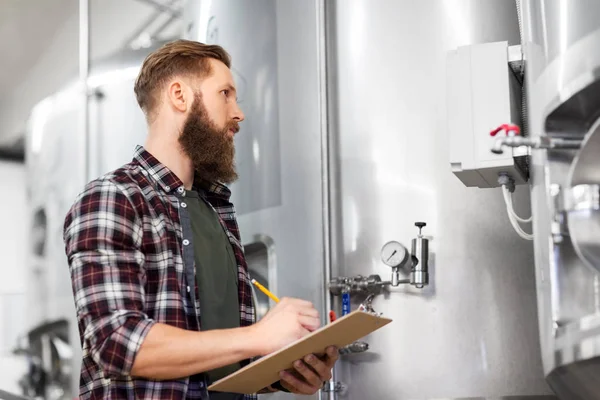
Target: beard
(210,149)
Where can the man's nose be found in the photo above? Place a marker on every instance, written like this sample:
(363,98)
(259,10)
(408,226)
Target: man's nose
(238,114)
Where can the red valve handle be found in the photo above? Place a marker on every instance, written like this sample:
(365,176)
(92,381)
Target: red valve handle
(332,316)
(506,127)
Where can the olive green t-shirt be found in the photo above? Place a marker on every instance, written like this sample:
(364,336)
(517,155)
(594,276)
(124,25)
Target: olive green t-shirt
(216,274)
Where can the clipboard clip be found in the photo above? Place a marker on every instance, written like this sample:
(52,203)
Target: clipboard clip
(367,306)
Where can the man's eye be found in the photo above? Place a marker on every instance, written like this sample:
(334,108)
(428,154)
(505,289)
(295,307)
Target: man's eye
(225,92)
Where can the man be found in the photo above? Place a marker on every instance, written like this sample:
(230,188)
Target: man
(160,281)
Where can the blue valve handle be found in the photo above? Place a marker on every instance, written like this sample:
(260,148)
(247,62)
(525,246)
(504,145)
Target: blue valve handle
(345,303)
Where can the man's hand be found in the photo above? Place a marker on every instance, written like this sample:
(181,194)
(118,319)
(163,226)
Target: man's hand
(310,373)
(290,320)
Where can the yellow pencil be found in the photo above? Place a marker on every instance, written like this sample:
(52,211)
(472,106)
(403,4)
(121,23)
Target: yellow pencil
(265,291)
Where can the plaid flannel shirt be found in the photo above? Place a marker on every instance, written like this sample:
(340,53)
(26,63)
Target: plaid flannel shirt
(130,252)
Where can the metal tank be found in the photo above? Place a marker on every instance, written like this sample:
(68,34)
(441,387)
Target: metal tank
(273,45)
(472,331)
(57,160)
(362,153)
(561,41)
(278,151)
(55,174)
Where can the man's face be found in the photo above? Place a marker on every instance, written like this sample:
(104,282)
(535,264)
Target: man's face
(207,135)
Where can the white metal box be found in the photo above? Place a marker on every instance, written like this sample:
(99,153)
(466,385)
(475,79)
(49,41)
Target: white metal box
(482,93)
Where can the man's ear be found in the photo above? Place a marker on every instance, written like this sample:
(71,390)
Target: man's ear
(177,96)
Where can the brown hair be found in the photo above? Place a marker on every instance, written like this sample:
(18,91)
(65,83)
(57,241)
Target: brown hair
(181,57)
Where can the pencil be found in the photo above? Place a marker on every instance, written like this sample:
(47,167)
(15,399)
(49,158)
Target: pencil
(265,291)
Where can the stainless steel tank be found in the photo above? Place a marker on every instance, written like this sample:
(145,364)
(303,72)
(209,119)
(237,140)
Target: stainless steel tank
(472,332)
(278,151)
(56,168)
(561,48)
(362,155)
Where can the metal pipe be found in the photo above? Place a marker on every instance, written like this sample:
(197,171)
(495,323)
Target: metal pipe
(162,7)
(84,69)
(151,20)
(398,282)
(540,142)
(84,66)
(143,28)
(320,6)
(162,27)
(565,144)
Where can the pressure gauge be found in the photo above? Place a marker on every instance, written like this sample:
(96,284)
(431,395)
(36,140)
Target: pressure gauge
(394,254)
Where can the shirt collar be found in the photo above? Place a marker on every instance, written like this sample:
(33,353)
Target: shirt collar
(162,175)
(169,182)
(212,188)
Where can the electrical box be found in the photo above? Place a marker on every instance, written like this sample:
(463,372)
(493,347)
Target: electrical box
(482,93)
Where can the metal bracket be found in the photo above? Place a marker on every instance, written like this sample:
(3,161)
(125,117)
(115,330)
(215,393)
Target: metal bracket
(355,347)
(335,387)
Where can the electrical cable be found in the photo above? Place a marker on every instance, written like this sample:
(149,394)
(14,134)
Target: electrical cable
(508,199)
(513,217)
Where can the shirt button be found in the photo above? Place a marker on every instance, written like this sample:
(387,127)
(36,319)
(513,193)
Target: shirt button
(183,205)
(181,190)
(168,188)
(188,289)
(186,242)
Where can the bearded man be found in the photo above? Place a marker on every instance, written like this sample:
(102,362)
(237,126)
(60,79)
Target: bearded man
(159,278)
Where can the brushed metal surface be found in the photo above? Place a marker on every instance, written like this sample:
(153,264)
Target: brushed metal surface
(557,25)
(55,174)
(248,31)
(584,219)
(585,169)
(562,62)
(472,332)
(117,124)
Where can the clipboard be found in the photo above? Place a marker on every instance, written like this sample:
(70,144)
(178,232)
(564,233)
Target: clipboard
(265,371)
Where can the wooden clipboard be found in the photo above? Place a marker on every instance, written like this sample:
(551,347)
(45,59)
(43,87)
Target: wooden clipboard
(265,371)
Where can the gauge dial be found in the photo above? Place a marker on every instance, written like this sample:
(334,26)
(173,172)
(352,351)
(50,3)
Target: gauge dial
(394,254)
